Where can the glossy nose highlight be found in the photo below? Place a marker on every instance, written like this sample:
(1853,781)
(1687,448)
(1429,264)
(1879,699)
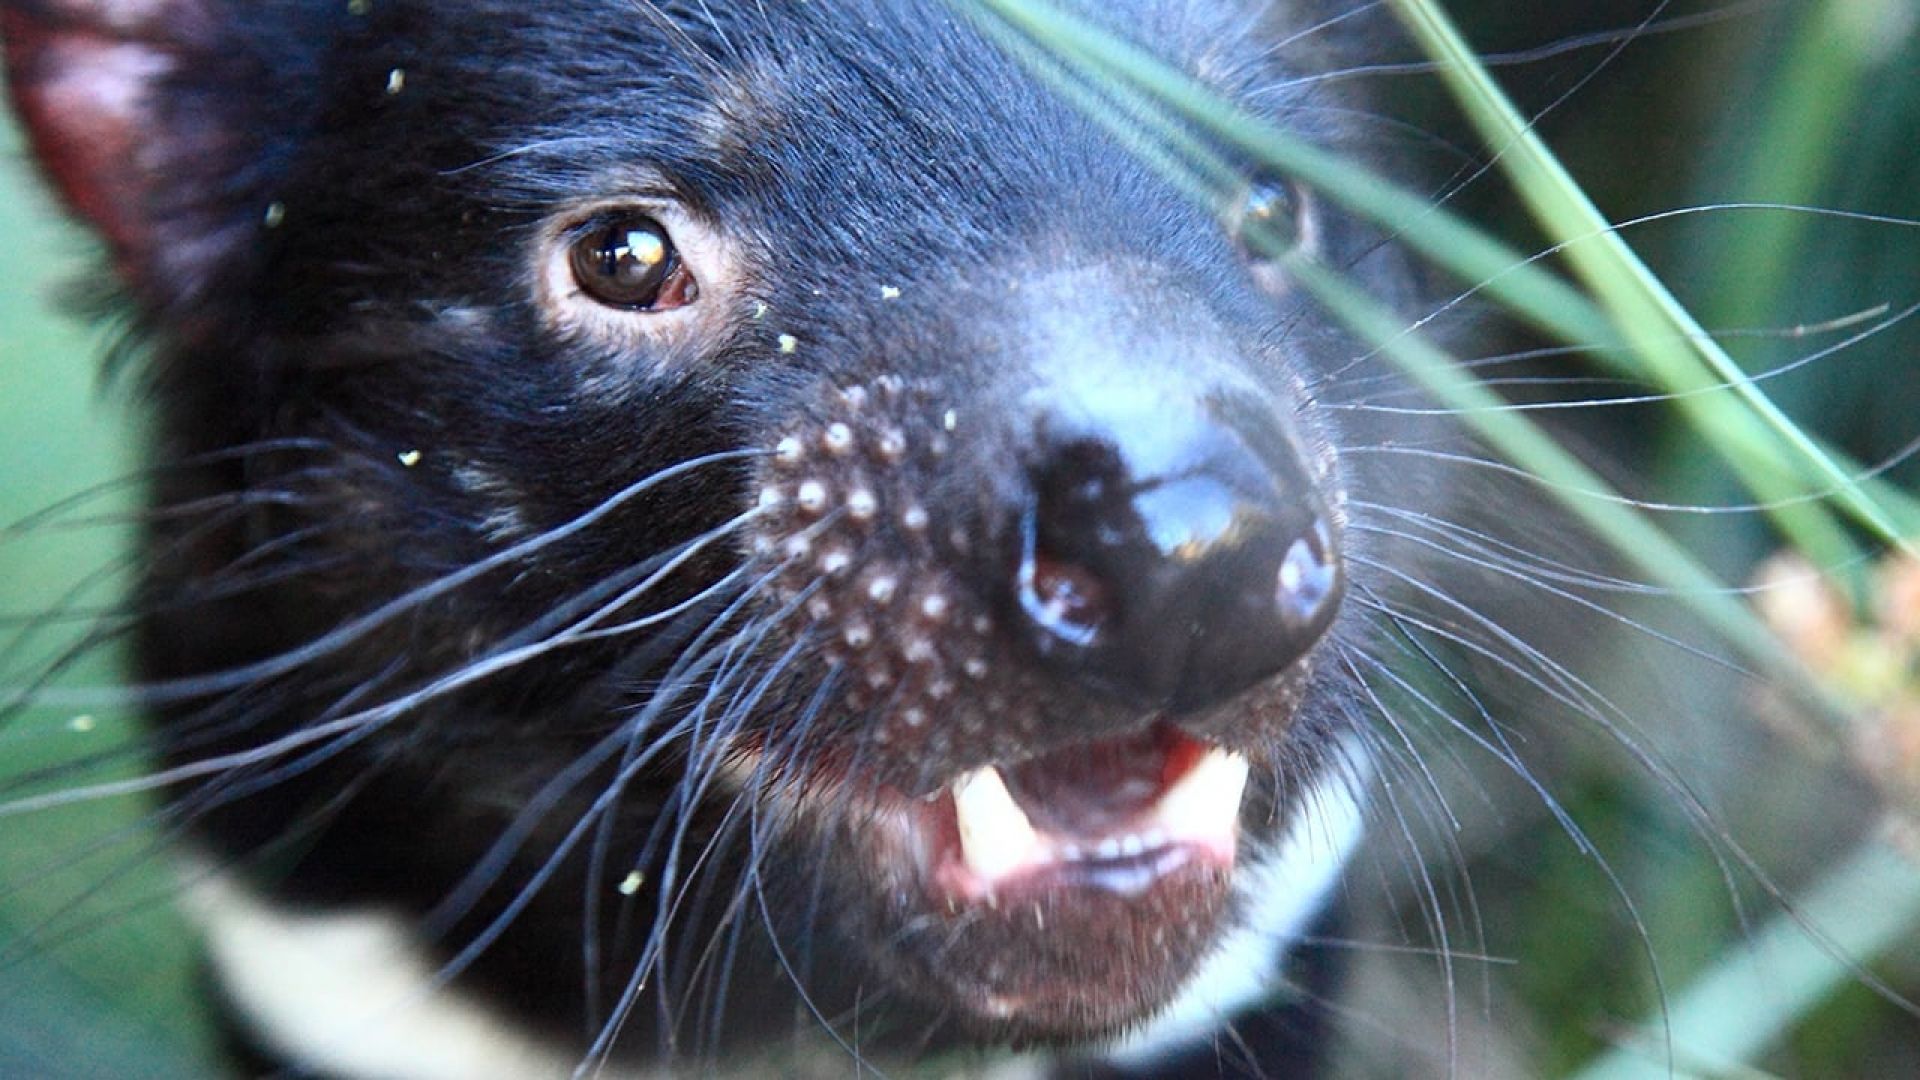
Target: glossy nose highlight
(1175,560)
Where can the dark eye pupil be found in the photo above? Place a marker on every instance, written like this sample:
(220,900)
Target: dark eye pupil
(625,263)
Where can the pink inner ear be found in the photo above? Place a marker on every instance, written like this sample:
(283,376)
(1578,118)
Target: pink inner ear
(83,97)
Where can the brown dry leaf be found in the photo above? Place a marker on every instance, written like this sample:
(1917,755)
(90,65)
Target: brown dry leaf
(1871,659)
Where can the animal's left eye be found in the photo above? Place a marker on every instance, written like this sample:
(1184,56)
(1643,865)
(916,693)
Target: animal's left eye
(626,260)
(1269,219)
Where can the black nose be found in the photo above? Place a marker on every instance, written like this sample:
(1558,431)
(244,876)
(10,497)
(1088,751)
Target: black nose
(1174,559)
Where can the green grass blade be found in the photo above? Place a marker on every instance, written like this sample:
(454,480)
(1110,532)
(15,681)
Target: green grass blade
(1815,91)
(1581,490)
(1645,310)
(1521,283)
(1864,907)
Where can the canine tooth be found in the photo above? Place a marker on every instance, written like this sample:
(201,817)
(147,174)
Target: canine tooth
(995,835)
(1206,801)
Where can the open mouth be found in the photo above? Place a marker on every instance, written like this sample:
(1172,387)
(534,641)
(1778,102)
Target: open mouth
(1115,816)
(1066,895)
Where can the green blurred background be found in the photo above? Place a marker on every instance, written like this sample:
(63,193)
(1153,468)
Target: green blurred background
(1811,103)
(97,975)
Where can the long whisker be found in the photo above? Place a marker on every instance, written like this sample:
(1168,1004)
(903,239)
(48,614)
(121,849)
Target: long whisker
(358,628)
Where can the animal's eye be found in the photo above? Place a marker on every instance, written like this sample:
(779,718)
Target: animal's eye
(626,260)
(1270,218)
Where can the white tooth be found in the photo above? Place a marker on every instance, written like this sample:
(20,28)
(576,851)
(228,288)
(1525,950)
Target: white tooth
(1108,849)
(1206,801)
(1072,853)
(1131,845)
(995,835)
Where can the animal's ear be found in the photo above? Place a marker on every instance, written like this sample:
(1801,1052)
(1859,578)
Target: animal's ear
(146,116)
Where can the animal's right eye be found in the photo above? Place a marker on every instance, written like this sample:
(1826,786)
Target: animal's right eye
(626,260)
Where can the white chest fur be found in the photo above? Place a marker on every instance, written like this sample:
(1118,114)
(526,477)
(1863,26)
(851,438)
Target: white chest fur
(351,994)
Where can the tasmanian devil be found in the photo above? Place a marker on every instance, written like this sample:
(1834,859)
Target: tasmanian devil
(733,536)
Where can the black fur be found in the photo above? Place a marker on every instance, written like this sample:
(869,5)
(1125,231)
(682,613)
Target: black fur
(421,480)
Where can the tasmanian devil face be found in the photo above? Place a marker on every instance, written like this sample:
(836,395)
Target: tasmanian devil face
(706,490)
(1036,624)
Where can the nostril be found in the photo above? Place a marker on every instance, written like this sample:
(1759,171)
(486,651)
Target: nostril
(1076,533)
(1064,599)
(1309,580)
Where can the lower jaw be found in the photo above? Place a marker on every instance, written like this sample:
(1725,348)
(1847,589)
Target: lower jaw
(1065,952)
(1064,965)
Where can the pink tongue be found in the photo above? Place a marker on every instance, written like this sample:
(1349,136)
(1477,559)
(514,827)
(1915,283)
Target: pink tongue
(1094,789)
